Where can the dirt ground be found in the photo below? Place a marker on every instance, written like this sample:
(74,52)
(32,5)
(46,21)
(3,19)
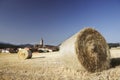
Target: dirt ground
(49,66)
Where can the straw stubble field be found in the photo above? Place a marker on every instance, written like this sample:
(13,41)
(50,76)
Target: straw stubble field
(48,66)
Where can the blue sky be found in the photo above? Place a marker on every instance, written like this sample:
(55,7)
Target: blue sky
(26,21)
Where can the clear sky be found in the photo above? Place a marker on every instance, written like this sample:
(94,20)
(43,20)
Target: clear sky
(26,21)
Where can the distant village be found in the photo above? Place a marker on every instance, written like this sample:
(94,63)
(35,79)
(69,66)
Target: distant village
(40,48)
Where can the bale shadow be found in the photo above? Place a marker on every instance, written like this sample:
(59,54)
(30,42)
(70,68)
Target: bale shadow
(115,62)
(37,57)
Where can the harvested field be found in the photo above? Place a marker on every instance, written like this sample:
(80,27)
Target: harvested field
(48,66)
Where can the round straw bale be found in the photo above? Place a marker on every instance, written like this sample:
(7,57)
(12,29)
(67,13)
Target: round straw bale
(86,50)
(24,54)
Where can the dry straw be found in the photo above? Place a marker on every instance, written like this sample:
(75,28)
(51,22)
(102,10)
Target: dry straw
(87,50)
(24,54)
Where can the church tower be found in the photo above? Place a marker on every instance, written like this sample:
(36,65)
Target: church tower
(42,42)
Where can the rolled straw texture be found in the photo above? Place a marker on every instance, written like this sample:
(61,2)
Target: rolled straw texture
(24,54)
(87,50)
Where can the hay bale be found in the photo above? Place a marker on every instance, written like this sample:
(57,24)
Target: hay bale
(87,50)
(24,54)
